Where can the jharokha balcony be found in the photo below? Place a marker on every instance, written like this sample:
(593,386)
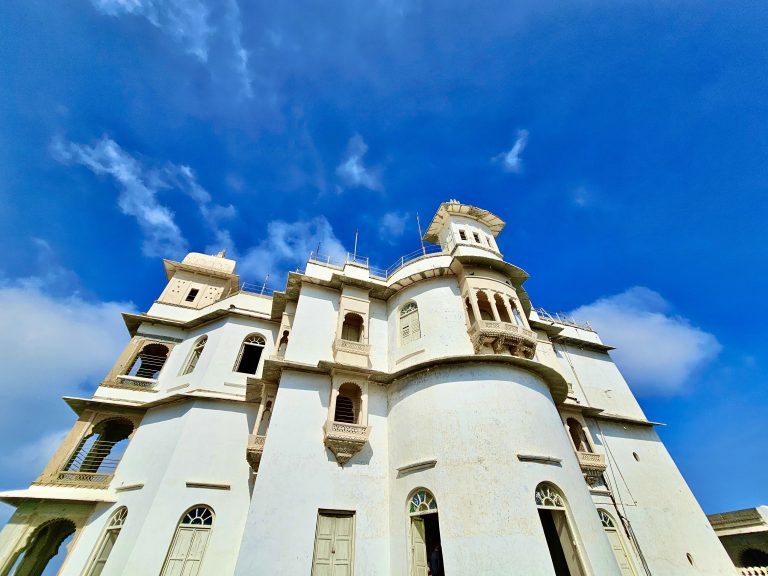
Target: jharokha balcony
(345,440)
(592,465)
(255,450)
(500,335)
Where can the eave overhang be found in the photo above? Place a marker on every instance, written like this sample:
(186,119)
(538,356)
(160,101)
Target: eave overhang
(446,209)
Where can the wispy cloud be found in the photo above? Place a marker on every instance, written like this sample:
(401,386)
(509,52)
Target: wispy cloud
(185,20)
(139,187)
(658,351)
(392,225)
(511,161)
(288,245)
(352,172)
(194,25)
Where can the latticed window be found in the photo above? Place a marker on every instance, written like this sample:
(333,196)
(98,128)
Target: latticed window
(107,542)
(250,354)
(410,329)
(422,502)
(186,553)
(197,350)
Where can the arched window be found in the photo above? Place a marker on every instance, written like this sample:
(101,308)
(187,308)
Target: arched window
(470,312)
(578,435)
(348,402)
(101,451)
(46,542)
(410,329)
(560,538)
(149,361)
(107,541)
(502,308)
(197,350)
(250,354)
(484,305)
(352,328)
(617,543)
(425,534)
(516,313)
(753,557)
(185,555)
(422,502)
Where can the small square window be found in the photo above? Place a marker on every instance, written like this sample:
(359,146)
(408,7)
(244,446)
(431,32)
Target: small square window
(192,295)
(462,235)
(477,237)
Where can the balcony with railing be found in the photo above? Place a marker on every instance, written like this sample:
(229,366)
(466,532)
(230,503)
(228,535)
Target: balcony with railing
(592,465)
(255,450)
(375,271)
(93,468)
(142,374)
(500,335)
(345,439)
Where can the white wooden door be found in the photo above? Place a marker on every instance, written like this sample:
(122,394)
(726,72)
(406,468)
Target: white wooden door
(334,545)
(620,552)
(418,547)
(186,554)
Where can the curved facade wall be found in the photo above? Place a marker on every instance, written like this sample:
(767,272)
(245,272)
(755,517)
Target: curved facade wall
(474,419)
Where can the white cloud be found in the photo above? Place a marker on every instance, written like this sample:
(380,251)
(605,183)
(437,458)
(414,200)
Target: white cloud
(49,347)
(139,188)
(510,161)
(288,245)
(185,20)
(656,350)
(352,172)
(200,29)
(392,224)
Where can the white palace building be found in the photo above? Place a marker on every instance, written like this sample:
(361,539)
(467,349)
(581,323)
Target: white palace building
(353,422)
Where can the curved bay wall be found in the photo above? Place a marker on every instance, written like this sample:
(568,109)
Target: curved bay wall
(474,419)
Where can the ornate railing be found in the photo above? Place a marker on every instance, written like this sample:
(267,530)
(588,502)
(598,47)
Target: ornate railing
(592,466)
(344,439)
(754,571)
(350,346)
(84,479)
(498,335)
(134,382)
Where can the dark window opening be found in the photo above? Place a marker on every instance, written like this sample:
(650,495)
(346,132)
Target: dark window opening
(484,305)
(556,552)
(462,235)
(470,312)
(352,328)
(192,295)
(249,358)
(753,557)
(477,237)
(345,410)
(503,314)
(149,361)
(579,437)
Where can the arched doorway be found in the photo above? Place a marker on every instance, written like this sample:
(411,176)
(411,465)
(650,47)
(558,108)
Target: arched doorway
(44,545)
(426,552)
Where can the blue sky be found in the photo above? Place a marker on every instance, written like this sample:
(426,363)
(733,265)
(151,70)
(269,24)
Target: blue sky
(624,143)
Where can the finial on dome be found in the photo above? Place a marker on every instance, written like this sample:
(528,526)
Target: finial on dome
(222,254)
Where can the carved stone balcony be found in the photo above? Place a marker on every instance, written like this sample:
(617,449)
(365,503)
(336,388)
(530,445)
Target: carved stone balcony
(345,440)
(132,383)
(255,450)
(592,465)
(352,353)
(76,479)
(499,335)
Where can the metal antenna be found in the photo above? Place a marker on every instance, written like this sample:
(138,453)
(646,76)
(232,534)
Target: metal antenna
(421,238)
(264,286)
(354,253)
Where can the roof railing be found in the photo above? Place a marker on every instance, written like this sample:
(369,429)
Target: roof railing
(384,273)
(563,318)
